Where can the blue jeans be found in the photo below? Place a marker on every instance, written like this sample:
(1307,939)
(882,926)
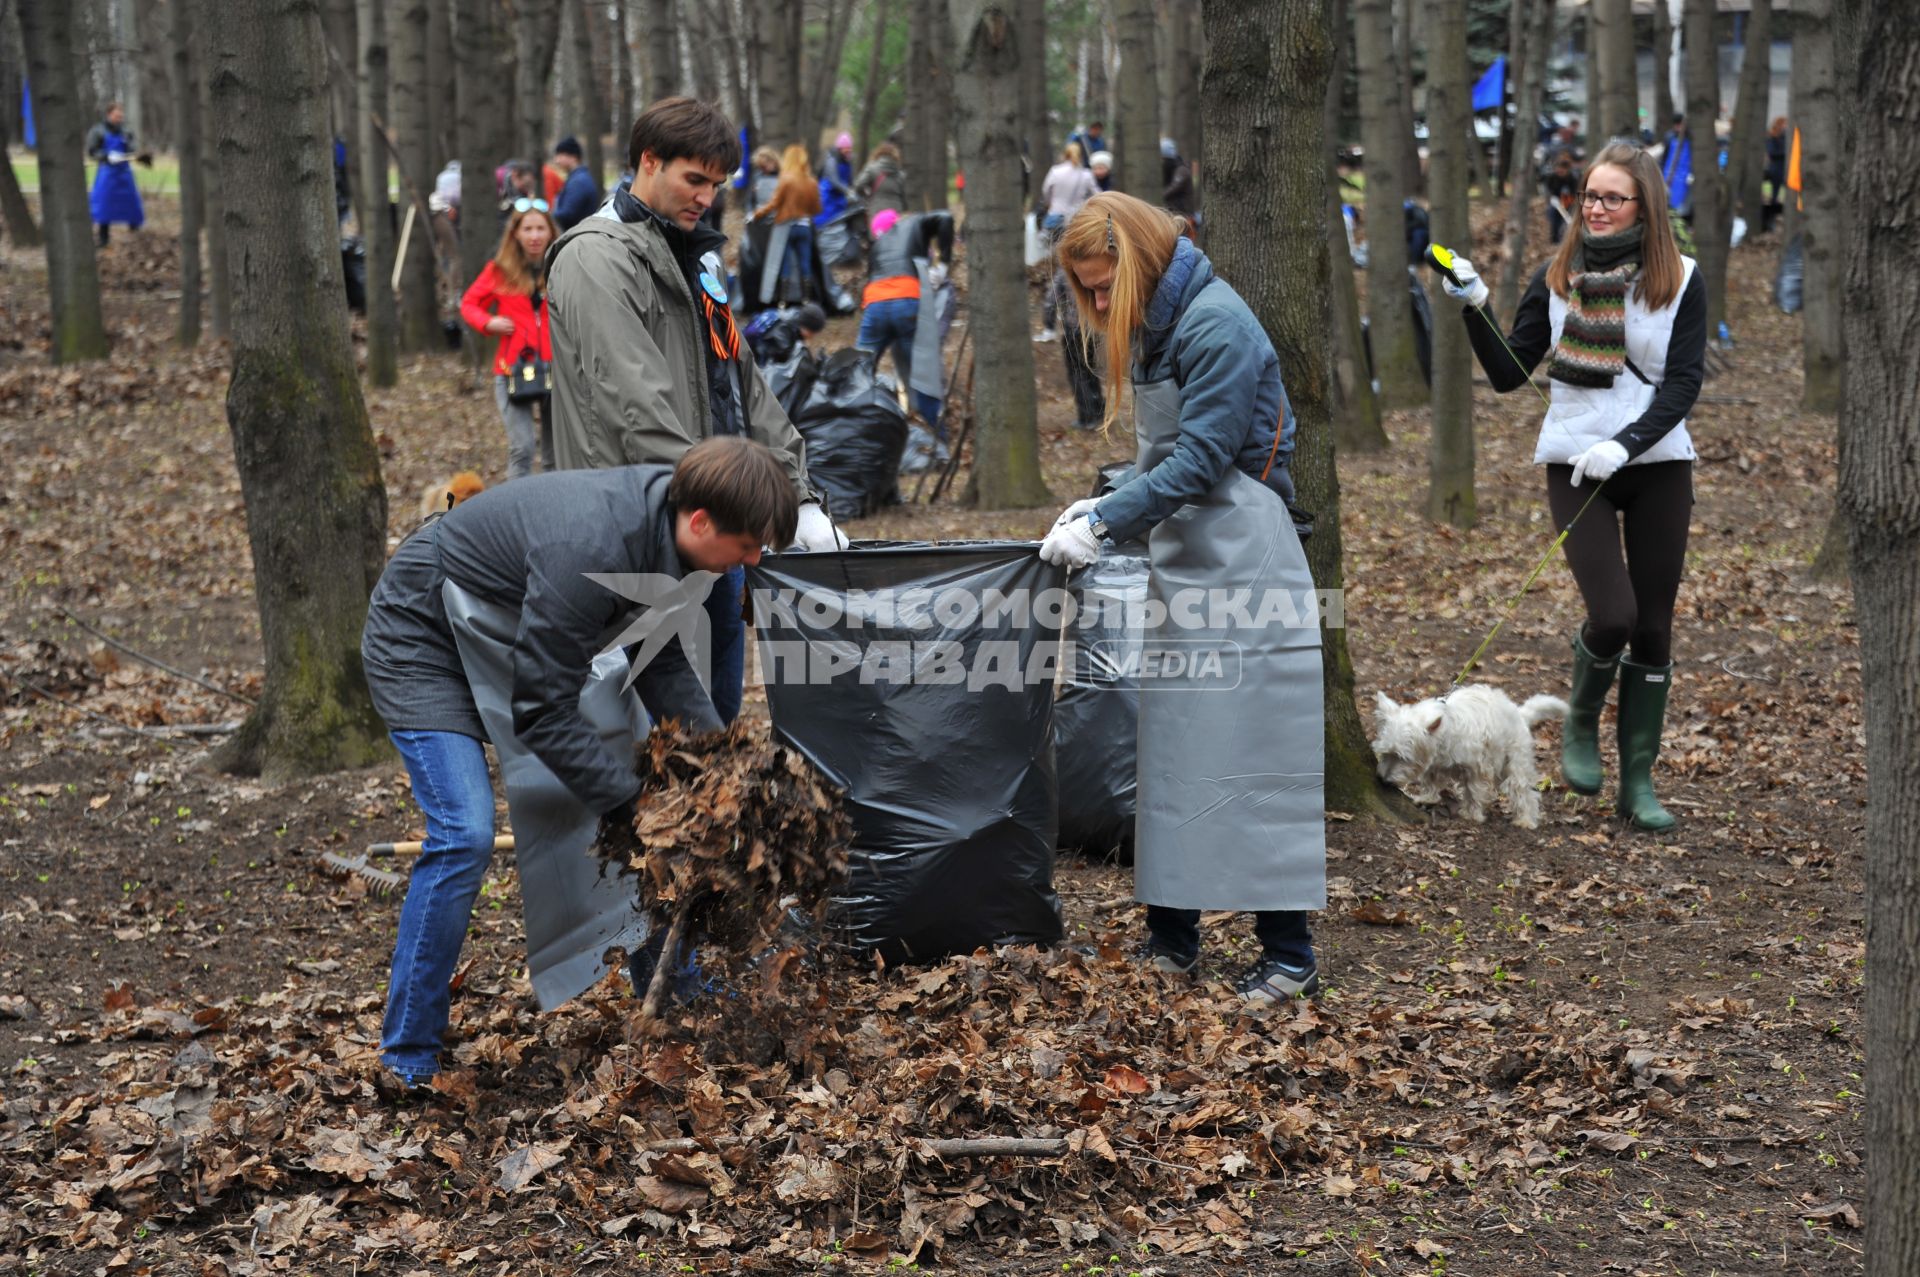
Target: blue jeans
(1283,933)
(890,325)
(450,783)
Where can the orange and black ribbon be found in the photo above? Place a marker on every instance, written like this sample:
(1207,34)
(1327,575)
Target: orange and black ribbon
(722,333)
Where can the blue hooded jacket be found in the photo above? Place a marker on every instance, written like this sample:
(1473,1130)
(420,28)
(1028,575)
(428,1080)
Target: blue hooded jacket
(1201,335)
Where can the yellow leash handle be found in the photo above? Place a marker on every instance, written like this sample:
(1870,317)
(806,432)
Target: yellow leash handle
(1442,259)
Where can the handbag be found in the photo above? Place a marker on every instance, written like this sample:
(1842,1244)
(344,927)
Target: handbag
(531,380)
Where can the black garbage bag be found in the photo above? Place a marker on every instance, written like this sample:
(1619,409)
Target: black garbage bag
(837,238)
(353,264)
(919,678)
(1789,282)
(1096,717)
(856,432)
(791,379)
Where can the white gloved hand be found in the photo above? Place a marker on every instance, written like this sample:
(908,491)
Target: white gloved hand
(1598,462)
(1471,289)
(1077,510)
(815,531)
(937,276)
(1071,544)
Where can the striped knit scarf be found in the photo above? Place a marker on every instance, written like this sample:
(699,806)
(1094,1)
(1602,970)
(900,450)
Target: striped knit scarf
(1593,338)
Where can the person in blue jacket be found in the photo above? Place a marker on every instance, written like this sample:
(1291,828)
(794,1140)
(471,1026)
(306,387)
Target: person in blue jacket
(1230,813)
(115,197)
(580,194)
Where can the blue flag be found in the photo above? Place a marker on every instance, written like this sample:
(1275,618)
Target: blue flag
(1489,89)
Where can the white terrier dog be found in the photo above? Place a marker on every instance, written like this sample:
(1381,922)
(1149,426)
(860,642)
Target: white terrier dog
(1467,746)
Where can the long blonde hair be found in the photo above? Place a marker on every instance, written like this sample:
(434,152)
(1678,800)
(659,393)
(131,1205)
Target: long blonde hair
(1658,281)
(1139,239)
(517,274)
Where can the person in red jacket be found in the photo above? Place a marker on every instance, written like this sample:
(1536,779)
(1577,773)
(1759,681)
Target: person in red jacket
(508,301)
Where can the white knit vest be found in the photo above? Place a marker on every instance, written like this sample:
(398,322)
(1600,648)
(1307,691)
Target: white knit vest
(1582,416)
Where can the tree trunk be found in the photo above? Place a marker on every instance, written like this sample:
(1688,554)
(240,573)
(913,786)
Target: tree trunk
(1412,179)
(1662,66)
(1816,113)
(536,37)
(73,276)
(1711,225)
(777,71)
(14,210)
(1881,492)
(870,97)
(593,111)
(1396,360)
(383,325)
(1450,495)
(342,25)
(1182,106)
(1746,164)
(824,73)
(917,164)
(718,18)
(207,16)
(1261,103)
(1196,154)
(1520,131)
(440,83)
(1137,167)
(623,76)
(309,469)
(1513,269)
(476,65)
(663,53)
(1006,448)
(1357,427)
(181,48)
(409,123)
(1618,112)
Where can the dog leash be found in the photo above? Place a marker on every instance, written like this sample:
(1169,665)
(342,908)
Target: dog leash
(1441,259)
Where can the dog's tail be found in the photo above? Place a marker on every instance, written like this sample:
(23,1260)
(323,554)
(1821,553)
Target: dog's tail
(1539,709)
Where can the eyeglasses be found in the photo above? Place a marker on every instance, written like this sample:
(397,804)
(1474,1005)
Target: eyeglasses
(1609,201)
(525,205)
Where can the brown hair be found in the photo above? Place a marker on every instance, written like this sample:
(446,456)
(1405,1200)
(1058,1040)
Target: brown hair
(741,485)
(684,128)
(885,151)
(517,274)
(1140,240)
(1658,282)
(798,193)
(764,155)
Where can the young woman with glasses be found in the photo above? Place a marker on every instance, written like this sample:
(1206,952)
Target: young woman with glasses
(1623,317)
(507,301)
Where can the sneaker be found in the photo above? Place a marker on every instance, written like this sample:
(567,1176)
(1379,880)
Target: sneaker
(1045,334)
(1166,961)
(400,1088)
(1271,981)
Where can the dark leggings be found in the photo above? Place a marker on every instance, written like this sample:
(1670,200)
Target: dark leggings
(1629,602)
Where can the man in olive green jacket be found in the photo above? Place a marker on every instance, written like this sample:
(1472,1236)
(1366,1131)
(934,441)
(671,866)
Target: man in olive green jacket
(647,361)
(646,358)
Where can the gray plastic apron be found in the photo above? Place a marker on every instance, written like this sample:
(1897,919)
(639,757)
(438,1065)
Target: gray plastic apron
(1231,810)
(930,329)
(573,912)
(776,261)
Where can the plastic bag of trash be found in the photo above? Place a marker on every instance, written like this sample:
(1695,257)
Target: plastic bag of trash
(856,432)
(920,679)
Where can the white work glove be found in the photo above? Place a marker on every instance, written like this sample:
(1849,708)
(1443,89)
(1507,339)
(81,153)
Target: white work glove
(1471,289)
(1598,462)
(1071,544)
(1077,510)
(815,531)
(937,276)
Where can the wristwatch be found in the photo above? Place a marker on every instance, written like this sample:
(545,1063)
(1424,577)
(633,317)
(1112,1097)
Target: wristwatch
(1097,525)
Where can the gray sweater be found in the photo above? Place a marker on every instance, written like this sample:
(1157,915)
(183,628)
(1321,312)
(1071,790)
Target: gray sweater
(527,545)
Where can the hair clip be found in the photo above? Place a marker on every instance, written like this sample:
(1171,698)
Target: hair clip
(1111,246)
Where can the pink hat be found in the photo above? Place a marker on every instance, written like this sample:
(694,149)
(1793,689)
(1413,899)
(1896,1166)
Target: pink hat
(844,142)
(883,220)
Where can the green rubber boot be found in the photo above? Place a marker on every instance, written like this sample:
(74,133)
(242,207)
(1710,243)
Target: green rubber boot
(1643,713)
(1580,734)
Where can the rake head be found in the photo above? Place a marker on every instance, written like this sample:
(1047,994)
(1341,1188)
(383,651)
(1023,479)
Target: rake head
(339,865)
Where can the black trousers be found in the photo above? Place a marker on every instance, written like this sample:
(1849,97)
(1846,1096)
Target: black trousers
(1283,933)
(1644,509)
(1089,401)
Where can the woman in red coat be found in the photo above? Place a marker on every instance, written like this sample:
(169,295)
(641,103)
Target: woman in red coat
(508,301)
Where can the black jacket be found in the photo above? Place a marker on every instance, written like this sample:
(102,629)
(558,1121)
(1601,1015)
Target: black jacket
(528,545)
